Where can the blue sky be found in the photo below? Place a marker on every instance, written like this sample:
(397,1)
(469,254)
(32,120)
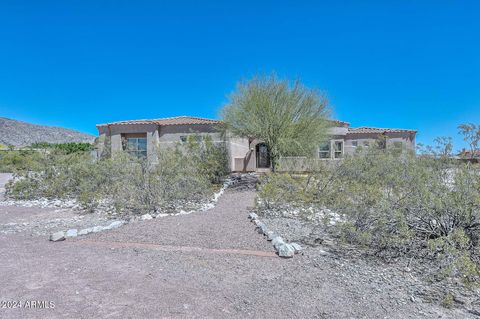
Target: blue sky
(405,64)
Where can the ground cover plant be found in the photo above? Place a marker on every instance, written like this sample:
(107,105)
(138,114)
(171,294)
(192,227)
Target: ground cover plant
(186,173)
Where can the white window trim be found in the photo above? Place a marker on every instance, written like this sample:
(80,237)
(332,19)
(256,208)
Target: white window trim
(333,151)
(329,152)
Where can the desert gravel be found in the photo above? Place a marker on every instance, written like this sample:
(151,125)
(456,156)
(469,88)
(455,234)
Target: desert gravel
(195,266)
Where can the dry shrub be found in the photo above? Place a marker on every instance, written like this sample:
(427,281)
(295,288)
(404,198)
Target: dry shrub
(396,205)
(185,173)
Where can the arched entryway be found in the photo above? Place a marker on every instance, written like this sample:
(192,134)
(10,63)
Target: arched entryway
(263,155)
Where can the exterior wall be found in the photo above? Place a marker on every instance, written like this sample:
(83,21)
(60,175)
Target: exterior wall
(407,140)
(116,131)
(171,134)
(239,154)
(241,151)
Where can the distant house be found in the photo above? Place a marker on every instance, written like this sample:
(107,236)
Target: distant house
(143,138)
(469,156)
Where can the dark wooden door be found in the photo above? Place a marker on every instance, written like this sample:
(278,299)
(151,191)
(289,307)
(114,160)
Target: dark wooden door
(263,156)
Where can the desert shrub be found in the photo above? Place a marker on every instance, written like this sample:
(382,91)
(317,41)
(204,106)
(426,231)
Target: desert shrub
(67,148)
(20,160)
(181,174)
(210,158)
(396,204)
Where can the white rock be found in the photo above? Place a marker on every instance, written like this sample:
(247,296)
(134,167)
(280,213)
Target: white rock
(97,229)
(146,217)
(296,247)
(72,233)
(270,235)
(252,216)
(277,242)
(286,251)
(58,236)
(261,228)
(85,231)
(116,224)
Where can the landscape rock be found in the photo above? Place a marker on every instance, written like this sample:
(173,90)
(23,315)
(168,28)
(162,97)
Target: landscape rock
(296,247)
(286,251)
(58,236)
(116,224)
(262,228)
(277,242)
(85,231)
(72,233)
(270,235)
(146,217)
(97,229)
(252,216)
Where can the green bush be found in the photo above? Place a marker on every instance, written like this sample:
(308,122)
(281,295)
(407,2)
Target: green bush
(21,160)
(67,148)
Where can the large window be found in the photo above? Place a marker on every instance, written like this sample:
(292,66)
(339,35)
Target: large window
(338,149)
(136,146)
(324,150)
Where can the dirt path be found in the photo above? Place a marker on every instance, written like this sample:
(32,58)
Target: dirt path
(203,265)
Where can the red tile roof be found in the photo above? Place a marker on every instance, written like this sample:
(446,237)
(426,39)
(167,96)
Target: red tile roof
(178,120)
(374,130)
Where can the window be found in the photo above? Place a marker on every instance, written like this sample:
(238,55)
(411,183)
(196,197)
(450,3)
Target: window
(137,146)
(354,143)
(324,150)
(338,149)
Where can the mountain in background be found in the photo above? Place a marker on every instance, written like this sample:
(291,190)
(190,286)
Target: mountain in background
(18,133)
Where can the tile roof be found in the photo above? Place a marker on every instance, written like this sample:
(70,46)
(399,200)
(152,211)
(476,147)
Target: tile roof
(364,129)
(178,120)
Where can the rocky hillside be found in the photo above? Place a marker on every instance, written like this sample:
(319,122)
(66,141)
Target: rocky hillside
(20,133)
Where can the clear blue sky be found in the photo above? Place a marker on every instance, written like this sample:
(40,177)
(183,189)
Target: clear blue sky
(75,63)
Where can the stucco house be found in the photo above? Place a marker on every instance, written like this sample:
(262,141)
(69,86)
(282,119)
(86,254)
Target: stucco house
(143,138)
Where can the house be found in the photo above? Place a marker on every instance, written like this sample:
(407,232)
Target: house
(143,138)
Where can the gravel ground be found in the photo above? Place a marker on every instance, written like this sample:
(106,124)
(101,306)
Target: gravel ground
(203,265)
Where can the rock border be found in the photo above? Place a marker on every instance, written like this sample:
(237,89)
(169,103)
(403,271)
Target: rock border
(283,249)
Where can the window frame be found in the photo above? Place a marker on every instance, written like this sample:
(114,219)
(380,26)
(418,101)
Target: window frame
(136,151)
(341,151)
(325,151)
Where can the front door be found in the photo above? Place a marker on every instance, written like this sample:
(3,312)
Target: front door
(263,156)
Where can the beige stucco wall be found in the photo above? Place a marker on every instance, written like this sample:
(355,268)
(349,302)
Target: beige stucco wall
(241,151)
(238,154)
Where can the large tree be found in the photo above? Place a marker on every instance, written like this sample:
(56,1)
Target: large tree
(288,117)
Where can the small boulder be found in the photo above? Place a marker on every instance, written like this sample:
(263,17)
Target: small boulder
(97,229)
(146,217)
(270,235)
(286,251)
(257,222)
(277,242)
(296,247)
(72,233)
(116,224)
(58,236)
(252,216)
(85,231)
(262,228)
